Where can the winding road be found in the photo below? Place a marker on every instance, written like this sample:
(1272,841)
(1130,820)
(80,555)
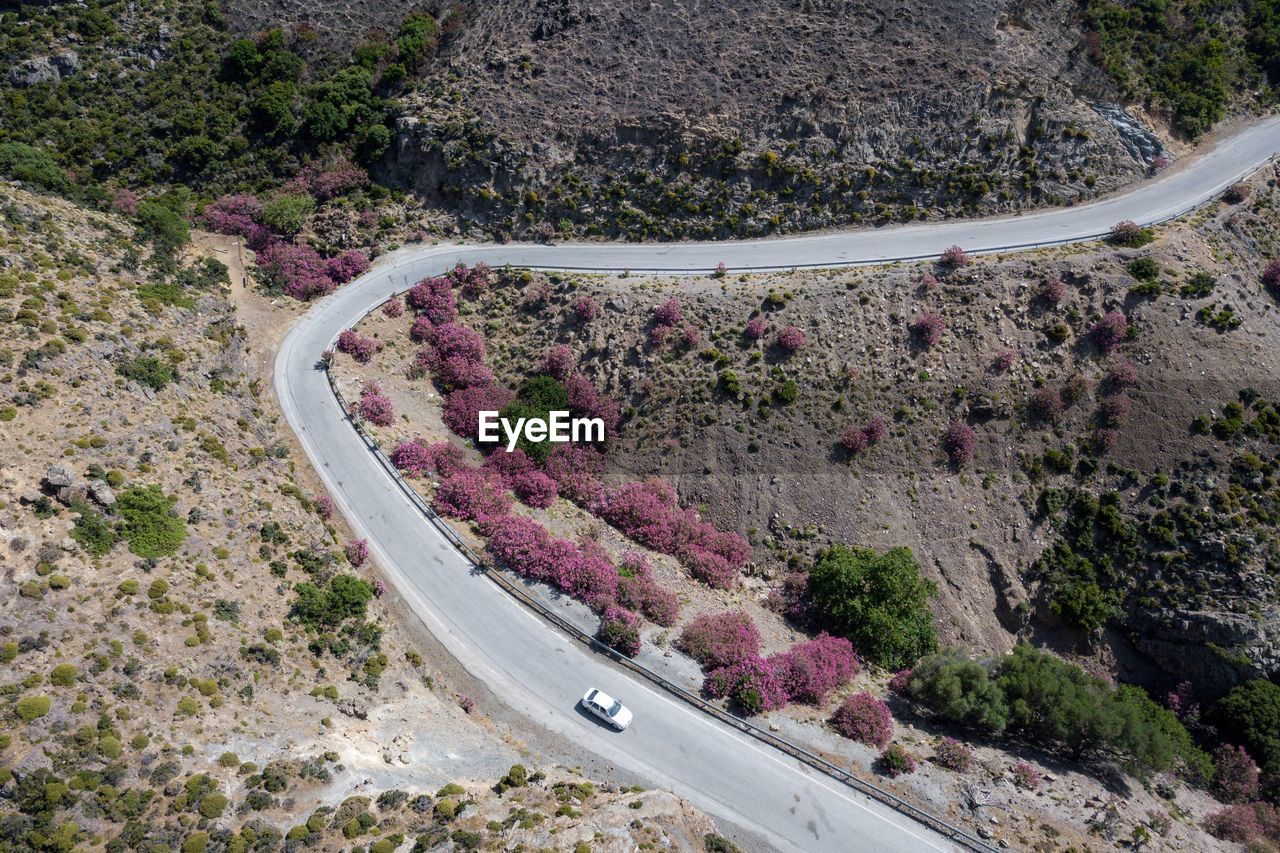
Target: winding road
(539,671)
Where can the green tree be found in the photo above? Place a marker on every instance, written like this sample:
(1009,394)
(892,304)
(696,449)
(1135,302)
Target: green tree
(535,400)
(162,226)
(878,601)
(345,597)
(960,689)
(1251,714)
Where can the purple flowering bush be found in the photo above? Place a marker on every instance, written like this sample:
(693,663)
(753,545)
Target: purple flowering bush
(864,718)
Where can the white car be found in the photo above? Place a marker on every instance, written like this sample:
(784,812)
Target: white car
(607,708)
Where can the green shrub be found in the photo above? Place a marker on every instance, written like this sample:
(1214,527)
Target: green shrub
(33,707)
(535,400)
(878,601)
(31,165)
(1251,713)
(287,214)
(212,804)
(345,597)
(63,675)
(92,530)
(147,370)
(162,226)
(150,524)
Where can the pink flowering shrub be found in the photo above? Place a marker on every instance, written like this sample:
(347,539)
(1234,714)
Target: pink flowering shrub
(1114,410)
(346,266)
(710,568)
(895,761)
(953,755)
(901,682)
(357,552)
(1236,775)
(959,442)
(472,281)
(756,328)
(393,307)
(1046,404)
(559,362)
(691,337)
(1128,233)
(234,214)
(954,257)
(810,670)
(1052,291)
(450,340)
(1123,375)
(1109,331)
(462,407)
(411,458)
(534,488)
(658,334)
(855,439)
(751,684)
(638,590)
(1003,361)
(375,407)
(459,372)
(791,339)
(647,512)
(668,313)
(421,329)
(328,183)
(620,630)
(324,506)
(585,309)
(928,281)
(717,640)
(471,494)
(433,299)
(1025,776)
(124,202)
(1237,823)
(928,328)
(509,466)
(585,401)
(576,468)
(864,718)
(582,571)
(1271,277)
(358,347)
(295,269)
(1104,441)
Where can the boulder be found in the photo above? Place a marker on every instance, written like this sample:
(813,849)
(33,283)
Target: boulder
(101,492)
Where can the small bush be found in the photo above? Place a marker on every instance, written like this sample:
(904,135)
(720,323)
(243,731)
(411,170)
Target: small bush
(864,718)
(620,630)
(954,257)
(63,675)
(720,639)
(1025,776)
(791,339)
(928,328)
(896,761)
(959,442)
(1129,233)
(147,370)
(953,755)
(1108,332)
(33,707)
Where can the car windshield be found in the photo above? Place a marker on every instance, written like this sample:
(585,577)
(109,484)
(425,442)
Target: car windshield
(615,708)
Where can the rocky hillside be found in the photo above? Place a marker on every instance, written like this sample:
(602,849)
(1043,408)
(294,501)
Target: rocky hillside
(195,653)
(1115,499)
(715,119)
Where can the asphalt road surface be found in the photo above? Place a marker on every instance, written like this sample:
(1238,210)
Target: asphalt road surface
(540,672)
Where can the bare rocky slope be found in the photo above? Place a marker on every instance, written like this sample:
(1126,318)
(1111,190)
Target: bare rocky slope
(716,118)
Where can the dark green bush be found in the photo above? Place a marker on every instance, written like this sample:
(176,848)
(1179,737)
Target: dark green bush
(1250,716)
(878,601)
(147,370)
(959,689)
(30,165)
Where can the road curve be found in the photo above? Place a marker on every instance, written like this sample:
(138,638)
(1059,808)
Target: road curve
(540,672)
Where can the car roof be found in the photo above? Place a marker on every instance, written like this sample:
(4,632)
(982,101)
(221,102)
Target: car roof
(599,696)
